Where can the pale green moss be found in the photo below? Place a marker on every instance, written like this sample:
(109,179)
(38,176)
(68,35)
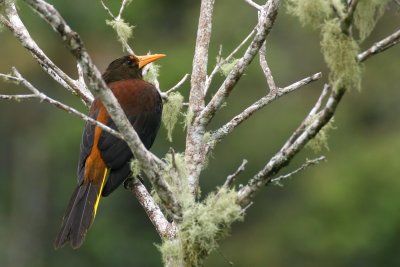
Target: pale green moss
(228,66)
(171,112)
(176,176)
(320,141)
(340,53)
(203,225)
(367,13)
(123,29)
(152,73)
(172,253)
(135,168)
(310,12)
(206,223)
(188,118)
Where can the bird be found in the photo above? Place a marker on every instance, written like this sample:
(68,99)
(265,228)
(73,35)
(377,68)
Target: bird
(104,160)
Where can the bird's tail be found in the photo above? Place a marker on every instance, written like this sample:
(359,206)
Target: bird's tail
(80,214)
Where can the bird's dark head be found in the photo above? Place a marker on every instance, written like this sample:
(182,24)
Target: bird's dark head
(128,67)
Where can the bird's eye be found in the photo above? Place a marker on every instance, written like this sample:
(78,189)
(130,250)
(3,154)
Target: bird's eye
(129,62)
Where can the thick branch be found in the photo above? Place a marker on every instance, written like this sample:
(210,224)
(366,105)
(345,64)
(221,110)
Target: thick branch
(285,155)
(195,149)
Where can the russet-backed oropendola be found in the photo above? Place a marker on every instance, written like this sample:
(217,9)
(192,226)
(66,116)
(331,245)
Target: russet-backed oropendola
(104,161)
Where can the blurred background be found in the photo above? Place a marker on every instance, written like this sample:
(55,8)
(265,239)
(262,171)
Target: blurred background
(343,212)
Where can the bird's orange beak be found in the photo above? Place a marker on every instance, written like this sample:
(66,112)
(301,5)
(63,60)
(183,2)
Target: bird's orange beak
(144,60)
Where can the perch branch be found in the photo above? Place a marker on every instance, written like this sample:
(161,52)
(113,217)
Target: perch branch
(164,228)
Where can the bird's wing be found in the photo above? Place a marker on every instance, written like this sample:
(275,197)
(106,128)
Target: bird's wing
(116,153)
(86,145)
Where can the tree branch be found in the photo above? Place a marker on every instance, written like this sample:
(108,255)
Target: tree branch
(164,228)
(380,46)
(18,29)
(231,178)
(18,78)
(265,68)
(265,23)
(286,153)
(195,149)
(245,114)
(308,163)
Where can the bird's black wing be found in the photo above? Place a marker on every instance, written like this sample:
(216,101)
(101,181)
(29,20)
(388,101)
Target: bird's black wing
(116,153)
(86,146)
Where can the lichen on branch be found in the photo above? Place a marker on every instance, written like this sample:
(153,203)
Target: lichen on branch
(340,54)
(171,111)
(203,225)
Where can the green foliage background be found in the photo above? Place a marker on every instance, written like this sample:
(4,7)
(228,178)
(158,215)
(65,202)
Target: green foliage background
(345,212)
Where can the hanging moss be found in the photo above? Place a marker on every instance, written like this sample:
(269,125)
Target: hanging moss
(320,141)
(310,12)
(188,118)
(172,253)
(367,13)
(123,29)
(340,53)
(228,66)
(152,73)
(176,176)
(171,112)
(203,225)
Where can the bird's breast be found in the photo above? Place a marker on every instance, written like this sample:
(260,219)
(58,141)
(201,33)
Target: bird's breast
(136,95)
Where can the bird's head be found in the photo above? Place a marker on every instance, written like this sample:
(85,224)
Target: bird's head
(128,67)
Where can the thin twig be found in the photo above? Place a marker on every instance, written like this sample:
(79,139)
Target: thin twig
(265,68)
(308,163)
(164,95)
(266,20)
(253,4)
(42,97)
(225,60)
(13,22)
(123,5)
(231,178)
(286,154)
(17,97)
(107,9)
(380,46)
(245,114)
